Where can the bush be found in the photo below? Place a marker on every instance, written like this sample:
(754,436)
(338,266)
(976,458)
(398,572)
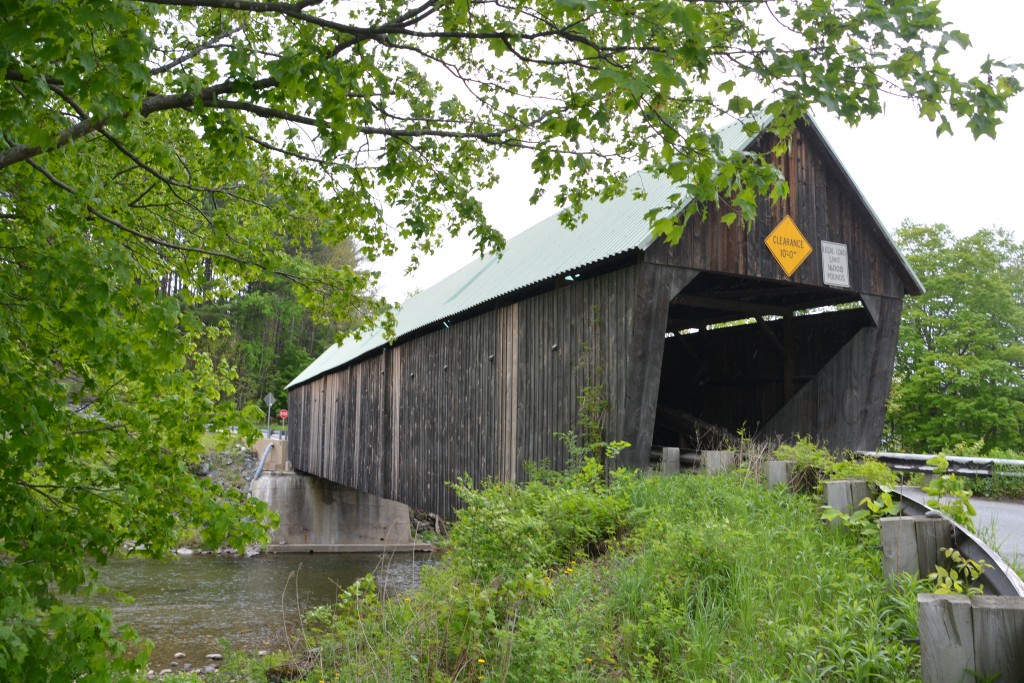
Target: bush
(551,520)
(871,470)
(809,462)
(814,464)
(718,579)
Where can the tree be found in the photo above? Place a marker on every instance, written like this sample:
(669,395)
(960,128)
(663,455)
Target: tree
(959,372)
(155,141)
(269,337)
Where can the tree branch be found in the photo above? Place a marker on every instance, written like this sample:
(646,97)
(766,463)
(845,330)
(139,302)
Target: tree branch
(212,42)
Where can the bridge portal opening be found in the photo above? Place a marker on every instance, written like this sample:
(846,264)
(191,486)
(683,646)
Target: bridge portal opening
(738,349)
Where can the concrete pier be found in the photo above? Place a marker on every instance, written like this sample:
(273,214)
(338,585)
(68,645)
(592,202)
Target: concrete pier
(320,516)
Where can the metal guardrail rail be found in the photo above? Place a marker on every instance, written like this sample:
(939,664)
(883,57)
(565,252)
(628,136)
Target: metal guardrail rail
(1000,580)
(973,467)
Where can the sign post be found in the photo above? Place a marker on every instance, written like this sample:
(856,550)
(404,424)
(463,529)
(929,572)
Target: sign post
(269,400)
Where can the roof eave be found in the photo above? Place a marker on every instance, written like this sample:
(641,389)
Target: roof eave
(911,282)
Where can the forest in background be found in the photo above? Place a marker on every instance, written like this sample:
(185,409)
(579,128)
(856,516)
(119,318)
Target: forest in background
(267,335)
(959,376)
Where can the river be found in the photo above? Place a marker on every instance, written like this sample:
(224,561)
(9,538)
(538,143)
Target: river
(199,603)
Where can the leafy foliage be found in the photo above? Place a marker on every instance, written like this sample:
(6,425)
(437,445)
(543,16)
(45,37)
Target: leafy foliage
(268,336)
(809,462)
(719,579)
(158,155)
(868,469)
(813,464)
(947,493)
(960,368)
(864,520)
(961,577)
(550,521)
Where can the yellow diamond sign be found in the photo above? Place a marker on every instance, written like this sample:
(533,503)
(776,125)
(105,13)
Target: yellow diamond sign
(788,245)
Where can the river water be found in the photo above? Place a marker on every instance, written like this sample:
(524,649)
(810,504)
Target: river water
(196,604)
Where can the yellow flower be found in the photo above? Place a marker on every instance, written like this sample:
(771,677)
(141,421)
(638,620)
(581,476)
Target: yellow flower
(480,661)
(589,659)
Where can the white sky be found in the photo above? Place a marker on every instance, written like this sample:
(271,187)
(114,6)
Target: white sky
(896,160)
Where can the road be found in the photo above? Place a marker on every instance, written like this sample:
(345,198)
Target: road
(999,523)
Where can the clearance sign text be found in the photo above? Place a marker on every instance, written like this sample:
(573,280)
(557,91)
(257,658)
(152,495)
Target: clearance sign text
(788,245)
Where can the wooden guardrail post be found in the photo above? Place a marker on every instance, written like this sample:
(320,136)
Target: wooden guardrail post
(933,533)
(899,546)
(780,472)
(669,460)
(946,628)
(964,637)
(999,636)
(845,495)
(912,544)
(717,462)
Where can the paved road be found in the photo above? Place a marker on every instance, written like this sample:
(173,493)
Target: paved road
(1004,523)
(999,523)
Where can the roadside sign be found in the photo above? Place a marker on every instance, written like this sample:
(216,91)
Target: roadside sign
(788,245)
(284,414)
(269,399)
(835,264)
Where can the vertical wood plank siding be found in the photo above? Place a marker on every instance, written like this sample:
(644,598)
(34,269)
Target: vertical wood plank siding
(844,403)
(478,398)
(821,202)
(487,394)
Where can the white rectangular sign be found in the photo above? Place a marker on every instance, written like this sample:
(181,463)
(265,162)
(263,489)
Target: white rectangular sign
(835,266)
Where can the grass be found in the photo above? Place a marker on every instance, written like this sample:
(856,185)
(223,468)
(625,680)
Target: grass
(684,578)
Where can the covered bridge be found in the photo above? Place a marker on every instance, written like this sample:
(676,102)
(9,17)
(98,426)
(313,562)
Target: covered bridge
(788,328)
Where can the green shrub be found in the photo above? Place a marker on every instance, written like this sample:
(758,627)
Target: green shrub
(718,579)
(948,493)
(551,520)
(809,462)
(869,469)
(1001,484)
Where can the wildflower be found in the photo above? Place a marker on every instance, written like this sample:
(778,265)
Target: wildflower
(588,660)
(480,661)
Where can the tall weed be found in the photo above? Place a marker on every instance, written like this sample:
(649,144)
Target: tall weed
(684,578)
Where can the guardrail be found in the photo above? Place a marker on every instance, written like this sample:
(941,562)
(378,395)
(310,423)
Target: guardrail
(973,467)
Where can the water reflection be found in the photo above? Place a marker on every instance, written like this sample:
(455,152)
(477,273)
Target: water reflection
(191,604)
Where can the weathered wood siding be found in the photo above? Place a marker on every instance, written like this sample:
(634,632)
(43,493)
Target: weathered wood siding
(844,403)
(477,398)
(823,205)
(734,377)
(487,393)
(656,287)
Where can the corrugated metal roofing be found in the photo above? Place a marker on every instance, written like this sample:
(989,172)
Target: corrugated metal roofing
(545,251)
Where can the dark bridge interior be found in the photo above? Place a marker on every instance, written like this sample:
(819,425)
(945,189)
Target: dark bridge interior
(738,349)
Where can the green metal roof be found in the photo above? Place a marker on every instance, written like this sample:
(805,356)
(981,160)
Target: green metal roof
(545,251)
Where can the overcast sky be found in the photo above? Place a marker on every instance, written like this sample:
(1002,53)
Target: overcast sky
(896,160)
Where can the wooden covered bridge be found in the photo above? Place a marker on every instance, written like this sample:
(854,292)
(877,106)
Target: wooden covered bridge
(789,328)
